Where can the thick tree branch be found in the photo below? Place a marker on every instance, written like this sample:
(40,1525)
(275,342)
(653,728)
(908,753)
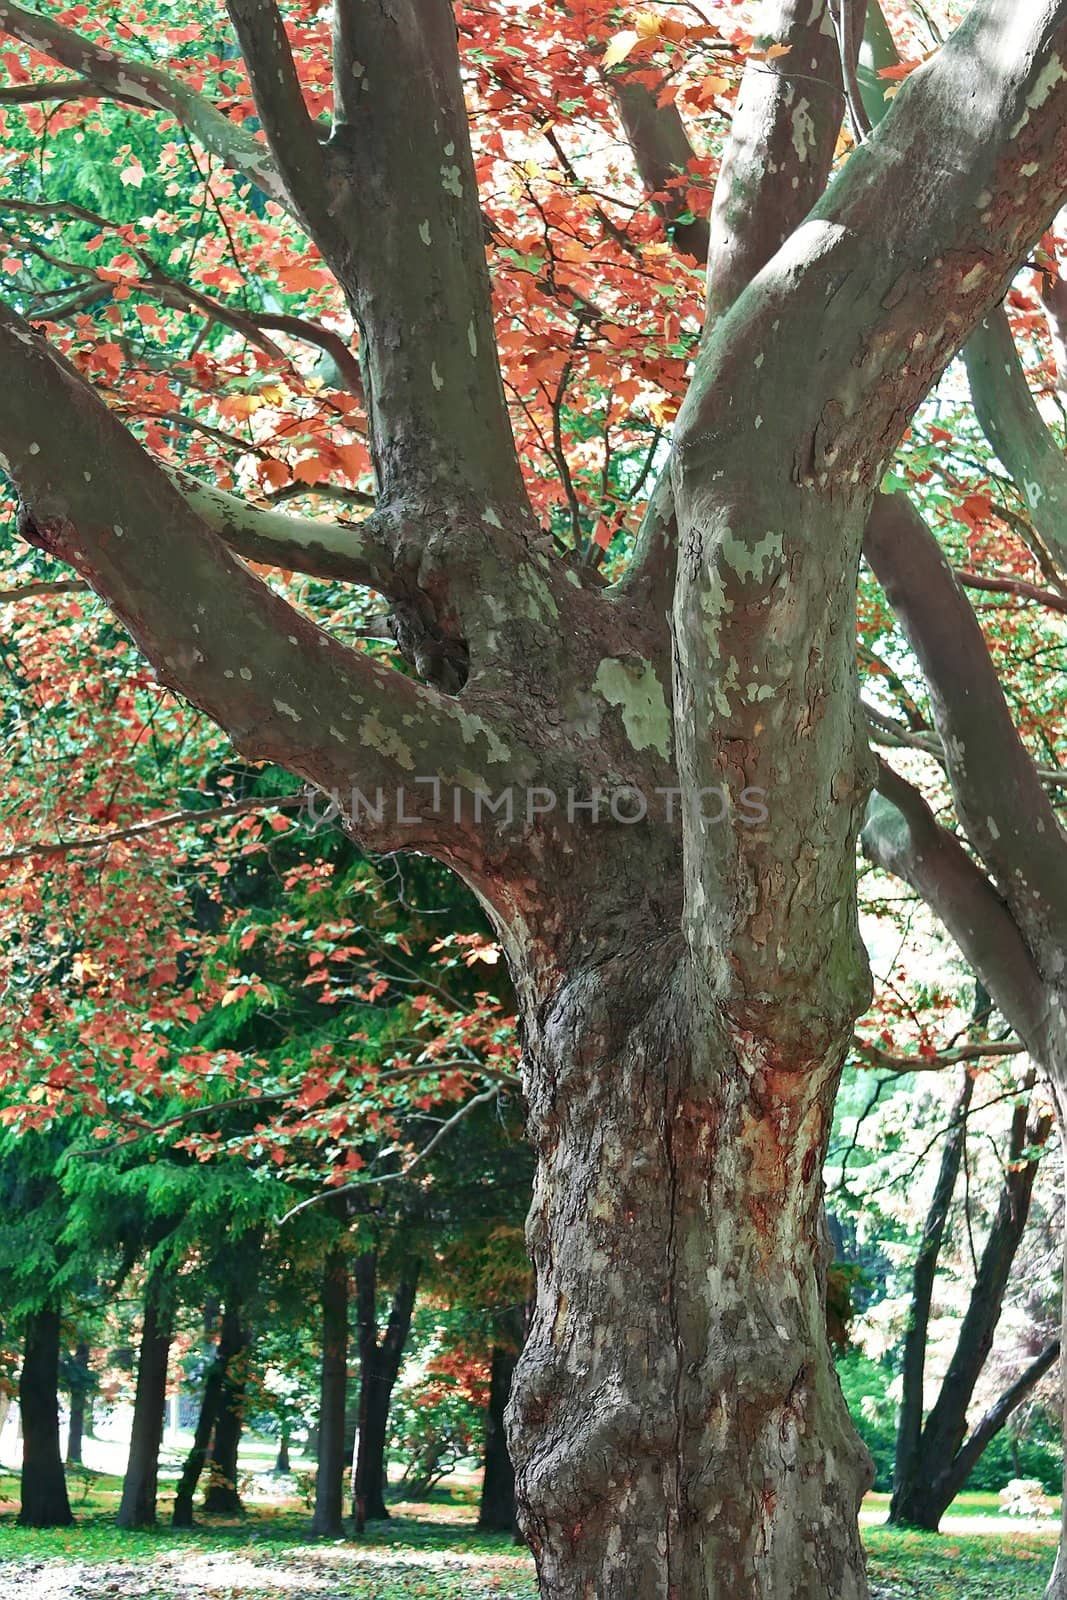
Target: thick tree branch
(776,165)
(781,145)
(1016,586)
(1003,402)
(859,280)
(24,94)
(352,552)
(117,76)
(34,591)
(323,491)
(903,837)
(282,688)
(999,797)
(1015,428)
(991,1422)
(405,238)
(291,133)
(662,151)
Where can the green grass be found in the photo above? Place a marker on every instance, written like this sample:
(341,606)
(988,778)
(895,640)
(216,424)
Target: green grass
(970,1566)
(426,1552)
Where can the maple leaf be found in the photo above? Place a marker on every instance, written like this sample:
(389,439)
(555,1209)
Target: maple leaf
(620,47)
(311,469)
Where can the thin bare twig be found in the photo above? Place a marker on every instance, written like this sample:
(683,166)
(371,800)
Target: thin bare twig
(137,830)
(485,1098)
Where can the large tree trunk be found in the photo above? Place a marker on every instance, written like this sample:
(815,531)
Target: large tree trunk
(222,1496)
(137,1508)
(379,1366)
(677,1426)
(81,1383)
(328,1520)
(496,1511)
(44,1487)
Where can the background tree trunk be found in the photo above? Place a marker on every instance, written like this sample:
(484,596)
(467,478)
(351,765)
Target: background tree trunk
(328,1520)
(137,1508)
(222,1496)
(379,1365)
(942,1455)
(210,1404)
(81,1386)
(906,1468)
(496,1511)
(281,1460)
(182,1516)
(44,1487)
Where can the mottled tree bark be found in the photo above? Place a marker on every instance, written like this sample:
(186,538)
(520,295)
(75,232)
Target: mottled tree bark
(137,1508)
(678,1166)
(44,1502)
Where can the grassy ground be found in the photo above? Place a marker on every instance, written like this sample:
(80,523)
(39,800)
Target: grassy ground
(428,1551)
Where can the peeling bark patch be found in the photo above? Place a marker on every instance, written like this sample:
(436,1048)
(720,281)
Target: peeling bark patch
(972,279)
(471,727)
(751,558)
(373,731)
(1050,75)
(633,686)
(804,132)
